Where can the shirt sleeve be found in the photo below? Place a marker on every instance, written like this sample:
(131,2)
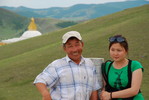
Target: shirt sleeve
(49,76)
(136,65)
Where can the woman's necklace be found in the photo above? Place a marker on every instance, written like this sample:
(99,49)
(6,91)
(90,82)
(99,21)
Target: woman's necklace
(120,64)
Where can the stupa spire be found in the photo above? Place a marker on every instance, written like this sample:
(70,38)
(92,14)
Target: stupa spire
(32,25)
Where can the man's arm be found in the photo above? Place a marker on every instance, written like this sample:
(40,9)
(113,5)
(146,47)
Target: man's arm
(44,91)
(94,95)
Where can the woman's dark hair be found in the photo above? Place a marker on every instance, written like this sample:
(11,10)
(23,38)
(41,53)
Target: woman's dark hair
(118,39)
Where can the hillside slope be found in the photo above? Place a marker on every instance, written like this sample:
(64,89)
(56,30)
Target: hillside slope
(20,62)
(13,25)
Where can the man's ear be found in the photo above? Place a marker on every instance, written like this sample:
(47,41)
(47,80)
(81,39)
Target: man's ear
(64,48)
(82,44)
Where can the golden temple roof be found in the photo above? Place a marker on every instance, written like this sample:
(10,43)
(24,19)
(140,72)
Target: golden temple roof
(32,25)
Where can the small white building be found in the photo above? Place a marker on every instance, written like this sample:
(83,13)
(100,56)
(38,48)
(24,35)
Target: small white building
(31,32)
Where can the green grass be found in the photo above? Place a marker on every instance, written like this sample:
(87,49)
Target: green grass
(21,62)
(13,25)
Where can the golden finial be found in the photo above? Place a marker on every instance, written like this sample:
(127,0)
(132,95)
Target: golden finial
(32,25)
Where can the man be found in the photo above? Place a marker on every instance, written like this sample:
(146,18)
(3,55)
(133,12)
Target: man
(72,77)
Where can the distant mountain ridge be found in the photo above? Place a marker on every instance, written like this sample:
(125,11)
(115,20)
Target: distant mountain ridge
(79,11)
(13,25)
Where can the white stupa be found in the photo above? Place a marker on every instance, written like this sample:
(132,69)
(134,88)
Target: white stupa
(31,32)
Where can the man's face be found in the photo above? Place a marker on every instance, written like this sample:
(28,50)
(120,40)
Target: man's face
(73,47)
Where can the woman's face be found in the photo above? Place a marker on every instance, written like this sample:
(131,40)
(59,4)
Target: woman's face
(117,52)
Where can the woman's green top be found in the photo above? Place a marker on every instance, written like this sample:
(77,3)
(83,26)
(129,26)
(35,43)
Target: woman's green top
(119,77)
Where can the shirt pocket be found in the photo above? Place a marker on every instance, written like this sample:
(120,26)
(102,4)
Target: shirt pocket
(88,78)
(66,76)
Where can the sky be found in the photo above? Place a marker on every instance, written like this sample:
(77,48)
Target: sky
(38,4)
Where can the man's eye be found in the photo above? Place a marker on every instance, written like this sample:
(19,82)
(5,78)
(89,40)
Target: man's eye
(69,46)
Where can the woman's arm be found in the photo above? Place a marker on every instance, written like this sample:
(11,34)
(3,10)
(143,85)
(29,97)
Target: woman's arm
(135,86)
(126,93)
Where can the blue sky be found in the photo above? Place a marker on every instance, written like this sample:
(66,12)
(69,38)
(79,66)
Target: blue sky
(51,3)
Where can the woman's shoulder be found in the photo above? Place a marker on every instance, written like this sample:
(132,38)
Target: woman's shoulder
(108,61)
(107,64)
(135,61)
(136,65)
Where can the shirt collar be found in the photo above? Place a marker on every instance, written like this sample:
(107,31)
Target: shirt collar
(69,60)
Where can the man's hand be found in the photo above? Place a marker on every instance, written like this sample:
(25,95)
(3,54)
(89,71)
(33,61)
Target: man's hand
(46,97)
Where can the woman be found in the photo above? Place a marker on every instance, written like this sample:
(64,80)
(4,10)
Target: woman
(122,77)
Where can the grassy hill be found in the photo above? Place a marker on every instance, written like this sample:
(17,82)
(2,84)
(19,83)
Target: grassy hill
(21,62)
(13,25)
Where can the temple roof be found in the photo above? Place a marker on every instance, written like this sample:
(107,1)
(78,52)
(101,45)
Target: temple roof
(32,25)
